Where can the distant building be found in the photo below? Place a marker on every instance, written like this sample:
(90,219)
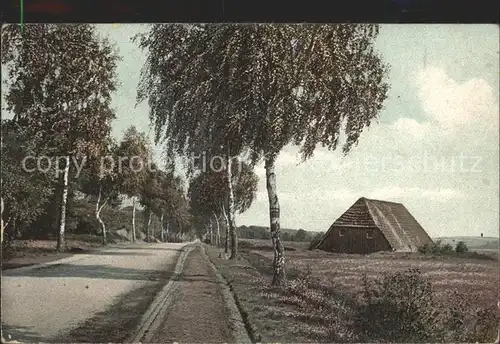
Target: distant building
(371,226)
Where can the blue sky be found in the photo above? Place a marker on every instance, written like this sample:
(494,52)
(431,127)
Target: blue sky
(434,147)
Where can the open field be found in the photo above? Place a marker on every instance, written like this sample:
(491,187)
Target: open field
(473,242)
(321,301)
(477,277)
(484,245)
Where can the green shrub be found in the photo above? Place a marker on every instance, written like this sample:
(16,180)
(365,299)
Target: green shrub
(315,241)
(437,248)
(447,249)
(402,307)
(461,247)
(425,249)
(397,307)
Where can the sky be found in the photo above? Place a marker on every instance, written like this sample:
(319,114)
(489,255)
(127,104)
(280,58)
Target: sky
(434,147)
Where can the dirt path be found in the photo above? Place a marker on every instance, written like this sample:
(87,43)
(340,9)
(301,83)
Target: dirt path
(199,313)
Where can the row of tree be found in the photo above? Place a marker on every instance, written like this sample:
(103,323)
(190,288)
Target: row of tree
(238,93)
(261,232)
(58,143)
(243,92)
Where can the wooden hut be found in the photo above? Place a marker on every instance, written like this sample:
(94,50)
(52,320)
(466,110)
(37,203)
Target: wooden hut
(372,225)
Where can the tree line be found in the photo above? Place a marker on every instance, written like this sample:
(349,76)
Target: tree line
(238,93)
(247,91)
(59,88)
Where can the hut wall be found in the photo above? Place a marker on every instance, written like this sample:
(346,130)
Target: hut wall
(354,240)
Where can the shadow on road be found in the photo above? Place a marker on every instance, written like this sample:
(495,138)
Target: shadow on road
(90,271)
(116,253)
(151,248)
(196,278)
(21,333)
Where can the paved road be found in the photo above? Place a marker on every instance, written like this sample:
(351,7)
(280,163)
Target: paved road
(38,303)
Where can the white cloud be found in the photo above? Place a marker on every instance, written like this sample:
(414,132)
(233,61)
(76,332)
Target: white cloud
(287,158)
(410,126)
(454,105)
(399,194)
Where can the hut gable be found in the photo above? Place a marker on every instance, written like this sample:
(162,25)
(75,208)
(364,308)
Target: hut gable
(357,215)
(374,225)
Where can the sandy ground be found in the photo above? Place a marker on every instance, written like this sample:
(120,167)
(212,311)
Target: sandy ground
(40,303)
(199,313)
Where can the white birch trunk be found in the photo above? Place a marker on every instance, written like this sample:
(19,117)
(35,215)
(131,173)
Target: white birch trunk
(1,200)
(1,217)
(226,239)
(279,276)
(61,240)
(162,228)
(98,209)
(133,219)
(166,230)
(148,229)
(217,240)
(230,213)
(211,231)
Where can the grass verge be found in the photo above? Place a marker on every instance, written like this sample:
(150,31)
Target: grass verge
(295,313)
(308,310)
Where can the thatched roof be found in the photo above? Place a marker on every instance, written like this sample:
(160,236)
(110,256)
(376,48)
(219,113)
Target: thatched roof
(399,227)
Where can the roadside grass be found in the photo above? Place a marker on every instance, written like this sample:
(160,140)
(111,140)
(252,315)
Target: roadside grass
(296,313)
(322,301)
(448,274)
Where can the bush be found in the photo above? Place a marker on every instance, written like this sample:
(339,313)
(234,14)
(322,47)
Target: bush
(397,307)
(461,247)
(437,248)
(447,249)
(402,307)
(315,241)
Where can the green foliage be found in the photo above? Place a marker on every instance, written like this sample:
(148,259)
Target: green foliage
(402,307)
(62,96)
(162,194)
(436,248)
(24,193)
(316,240)
(461,250)
(60,99)
(301,235)
(398,307)
(461,247)
(261,86)
(255,88)
(134,154)
(209,193)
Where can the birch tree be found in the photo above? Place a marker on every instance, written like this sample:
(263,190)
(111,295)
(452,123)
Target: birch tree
(100,180)
(149,198)
(60,82)
(25,191)
(134,157)
(302,85)
(184,110)
(261,87)
(208,193)
(163,196)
